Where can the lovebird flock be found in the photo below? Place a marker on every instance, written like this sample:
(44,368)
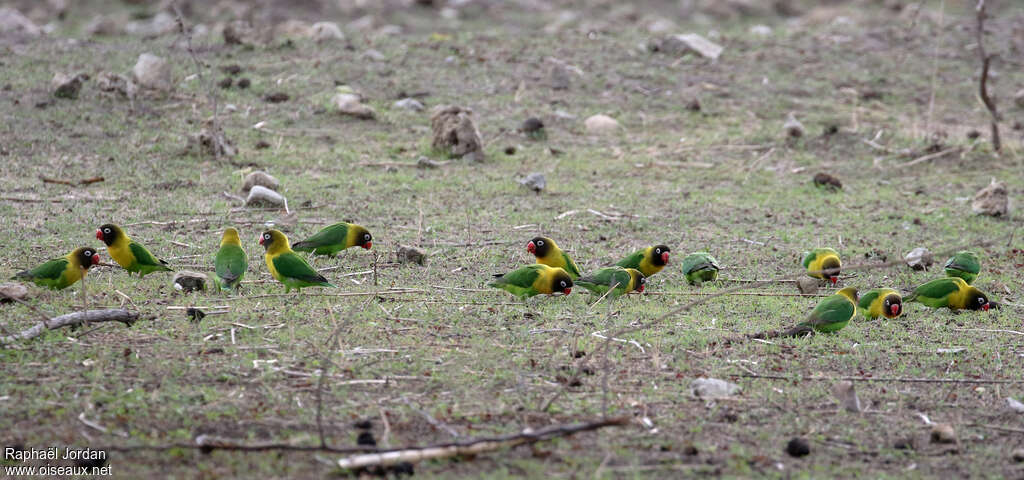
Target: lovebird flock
(554,273)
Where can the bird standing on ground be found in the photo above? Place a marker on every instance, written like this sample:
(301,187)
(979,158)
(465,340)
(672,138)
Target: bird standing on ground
(963,264)
(63,272)
(334,238)
(548,253)
(231,262)
(534,280)
(649,260)
(131,256)
(830,315)
(950,292)
(288,267)
(624,280)
(881,302)
(823,263)
(700,267)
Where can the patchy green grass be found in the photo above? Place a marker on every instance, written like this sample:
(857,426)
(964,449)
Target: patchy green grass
(474,358)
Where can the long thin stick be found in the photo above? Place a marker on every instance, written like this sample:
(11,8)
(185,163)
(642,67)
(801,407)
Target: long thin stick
(77,318)
(981,381)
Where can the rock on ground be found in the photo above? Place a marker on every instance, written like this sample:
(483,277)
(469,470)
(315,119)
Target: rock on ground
(12,21)
(240,32)
(601,124)
(211,143)
(919,259)
(993,200)
(116,83)
(327,31)
(10,291)
(152,72)
(408,254)
(410,104)
(455,132)
(708,388)
(534,181)
(688,43)
(352,104)
(67,86)
(262,179)
(260,195)
(188,281)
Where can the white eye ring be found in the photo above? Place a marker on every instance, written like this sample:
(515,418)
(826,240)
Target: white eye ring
(266,236)
(88,253)
(106,230)
(540,243)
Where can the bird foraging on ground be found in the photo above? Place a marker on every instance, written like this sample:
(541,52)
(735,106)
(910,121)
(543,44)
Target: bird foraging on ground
(334,238)
(288,267)
(231,262)
(649,260)
(130,255)
(829,316)
(700,267)
(881,302)
(963,264)
(548,253)
(63,272)
(624,280)
(534,280)
(952,293)
(823,263)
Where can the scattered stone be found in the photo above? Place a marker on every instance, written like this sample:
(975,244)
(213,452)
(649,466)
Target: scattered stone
(798,447)
(687,43)
(847,396)
(825,180)
(561,76)
(12,21)
(240,32)
(943,433)
(1018,455)
(973,134)
(152,72)
(761,30)
(211,143)
(693,105)
(374,55)
(243,83)
(103,25)
(262,179)
(407,254)
(226,82)
(293,28)
(194,314)
(907,443)
(919,259)
(793,127)
(262,145)
(533,127)
(807,285)
(12,291)
(67,86)
(260,195)
(992,200)
(455,133)
(710,388)
(601,124)
(410,104)
(277,97)
(188,281)
(534,181)
(327,32)
(233,69)
(1018,98)
(350,103)
(116,83)
(1015,405)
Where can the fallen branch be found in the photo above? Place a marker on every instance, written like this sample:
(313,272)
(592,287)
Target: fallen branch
(986,60)
(472,447)
(72,319)
(929,157)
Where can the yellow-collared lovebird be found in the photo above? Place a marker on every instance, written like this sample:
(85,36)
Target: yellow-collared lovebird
(548,253)
(700,267)
(624,280)
(830,315)
(649,260)
(129,255)
(881,302)
(534,280)
(950,292)
(963,264)
(288,267)
(823,263)
(335,238)
(231,262)
(63,272)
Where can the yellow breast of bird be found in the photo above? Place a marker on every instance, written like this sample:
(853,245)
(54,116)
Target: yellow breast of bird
(121,254)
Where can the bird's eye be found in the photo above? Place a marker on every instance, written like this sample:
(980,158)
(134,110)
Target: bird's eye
(366,237)
(562,283)
(540,243)
(106,230)
(657,250)
(981,300)
(88,253)
(266,236)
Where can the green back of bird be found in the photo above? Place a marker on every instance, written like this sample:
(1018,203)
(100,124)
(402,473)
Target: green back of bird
(53,274)
(964,265)
(230,265)
(520,282)
(700,267)
(145,263)
(603,279)
(937,293)
(328,241)
(831,314)
(293,271)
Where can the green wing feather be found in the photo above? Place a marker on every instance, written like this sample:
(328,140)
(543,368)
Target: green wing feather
(49,274)
(330,236)
(520,277)
(231,264)
(633,260)
(294,267)
(570,266)
(868,298)
(936,289)
(601,281)
(832,314)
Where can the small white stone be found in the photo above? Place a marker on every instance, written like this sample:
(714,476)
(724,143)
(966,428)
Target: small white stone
(152,72)
(410,104)
(601,124)
(327,31)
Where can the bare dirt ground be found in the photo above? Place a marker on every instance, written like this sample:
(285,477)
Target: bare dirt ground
(887,93)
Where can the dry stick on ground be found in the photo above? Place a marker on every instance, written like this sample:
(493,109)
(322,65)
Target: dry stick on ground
(474,446)
(929,157)
(981,381)
(77,318)
(983,81)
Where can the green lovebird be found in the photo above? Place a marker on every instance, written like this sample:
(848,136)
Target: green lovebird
(61,272)
(950,292)
(231,262)
(881,302)
(335,238)
(548,253)
(130,255)
(700,267)
(649,260)
(831,314)
(287,266)
(965,265)
(625,280)
(533,280)
(822,263)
